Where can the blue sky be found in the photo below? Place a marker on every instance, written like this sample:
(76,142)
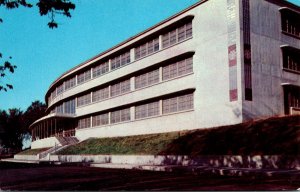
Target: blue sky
(42,54)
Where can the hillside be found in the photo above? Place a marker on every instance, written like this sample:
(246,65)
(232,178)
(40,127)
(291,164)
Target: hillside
(272,136)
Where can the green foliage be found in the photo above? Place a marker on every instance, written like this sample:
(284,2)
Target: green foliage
(5,68)
(14,125)
(142,145)
(46,8)
(33,151)
(272,136)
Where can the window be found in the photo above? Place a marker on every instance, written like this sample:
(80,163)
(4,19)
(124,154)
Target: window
(85,76)
(146,79)
(100,69)
(291,59)
(147,48)
(120,88)
(179,103)
(84,123)
(69,107)
(70,83)
(53,94)
(99,120)
(176,35)
(147,110)
(60,109)
(100,94)
(177,69)
(120,116)
(84,100)
(120,60)
(290,22)
(60,89)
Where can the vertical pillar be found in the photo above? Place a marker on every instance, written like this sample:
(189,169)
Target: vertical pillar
(160,74)
(160,107)
(132,84)
(109,65)
(55,127)
(51,127)
(132,54)
(132,113)
(160,42)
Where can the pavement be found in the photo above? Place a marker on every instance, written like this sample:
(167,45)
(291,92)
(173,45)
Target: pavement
(223,171)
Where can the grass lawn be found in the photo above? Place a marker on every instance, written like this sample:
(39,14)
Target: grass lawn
(272,136)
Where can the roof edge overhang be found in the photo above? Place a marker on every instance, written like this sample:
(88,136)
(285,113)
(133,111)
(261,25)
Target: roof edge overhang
(52,116)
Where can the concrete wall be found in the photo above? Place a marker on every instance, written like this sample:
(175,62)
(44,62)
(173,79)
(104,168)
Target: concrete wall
(44,143)
(230,161)
(267,67)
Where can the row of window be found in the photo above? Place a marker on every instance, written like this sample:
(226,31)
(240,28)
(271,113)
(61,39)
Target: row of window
(67,107)
(177,35)
(172,70)
(147,48)
(170,105)
(168,39)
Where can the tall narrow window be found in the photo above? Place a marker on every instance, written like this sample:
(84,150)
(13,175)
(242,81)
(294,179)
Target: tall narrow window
(291,59)
(290,22)
(60,89)
(70,83)
(69,107)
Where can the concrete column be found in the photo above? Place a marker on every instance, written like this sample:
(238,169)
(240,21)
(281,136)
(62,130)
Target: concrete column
(160,74)
(160,42)
(132,84)
(160,107)
(132,52)
(50,127)
(132,113)
(109,88)
(109,65)
(109,115)
(55,126)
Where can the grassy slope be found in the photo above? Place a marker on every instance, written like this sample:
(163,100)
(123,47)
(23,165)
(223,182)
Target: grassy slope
(273,136)
(33,151)
(143,144)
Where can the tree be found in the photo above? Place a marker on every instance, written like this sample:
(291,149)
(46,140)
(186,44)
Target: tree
(12,137)
(14,125)
(46,7)
(35,111)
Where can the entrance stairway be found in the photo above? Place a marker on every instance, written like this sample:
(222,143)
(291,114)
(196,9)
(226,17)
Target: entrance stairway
(63,143)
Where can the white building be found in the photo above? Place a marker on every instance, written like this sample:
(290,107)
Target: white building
(218,62)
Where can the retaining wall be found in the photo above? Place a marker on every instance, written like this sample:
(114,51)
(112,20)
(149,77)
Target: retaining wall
(237,161)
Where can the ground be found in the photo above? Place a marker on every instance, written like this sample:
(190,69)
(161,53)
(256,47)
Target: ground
(74,177)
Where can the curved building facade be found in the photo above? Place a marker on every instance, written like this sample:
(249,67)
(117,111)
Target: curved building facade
(218,62)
